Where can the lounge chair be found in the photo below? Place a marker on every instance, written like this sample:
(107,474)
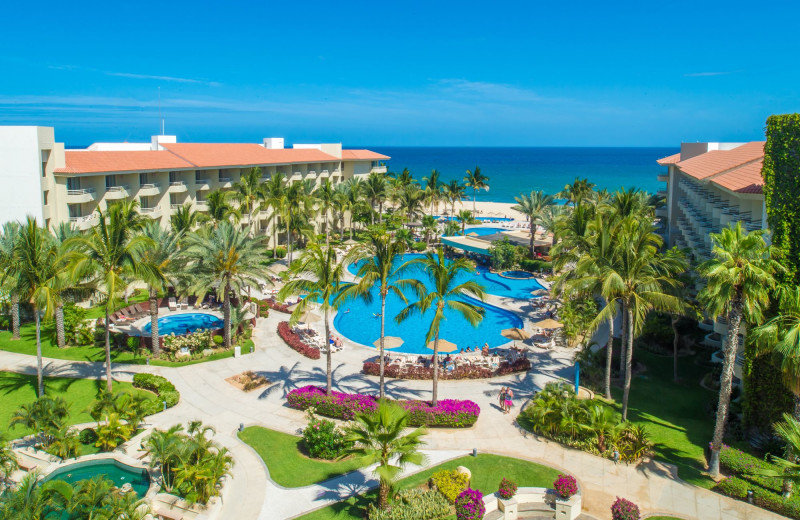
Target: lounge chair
(172,304)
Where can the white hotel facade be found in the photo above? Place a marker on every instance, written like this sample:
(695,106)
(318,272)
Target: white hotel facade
(43,180)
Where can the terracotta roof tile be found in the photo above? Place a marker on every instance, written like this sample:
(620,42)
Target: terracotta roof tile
(670,159)
(715,162)
(214,155)
(745,179)
(363,155)
(78,162)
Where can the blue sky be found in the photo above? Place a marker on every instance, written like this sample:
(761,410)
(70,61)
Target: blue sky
(401,73)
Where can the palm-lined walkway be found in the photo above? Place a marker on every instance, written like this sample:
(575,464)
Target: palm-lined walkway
(206,396)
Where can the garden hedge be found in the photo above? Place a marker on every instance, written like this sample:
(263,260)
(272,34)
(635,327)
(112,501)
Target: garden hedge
(161,387)
(294,341)
(372,368)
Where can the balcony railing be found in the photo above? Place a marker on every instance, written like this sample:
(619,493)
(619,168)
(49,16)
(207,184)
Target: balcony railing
(177,183)
(82,191)
(116,192)
(150,212)
(149,186)
(201,181)
(224,179)
(175,206)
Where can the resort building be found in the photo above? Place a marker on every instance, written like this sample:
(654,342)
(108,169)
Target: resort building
(55,185)
(710,185)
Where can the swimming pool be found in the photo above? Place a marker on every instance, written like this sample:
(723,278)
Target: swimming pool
(113,470)
(184,323)
(517,275)
(358,321)
(496,219)
(482,231)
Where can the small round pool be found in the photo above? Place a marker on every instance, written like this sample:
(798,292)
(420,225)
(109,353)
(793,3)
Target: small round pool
(517,275)
(113,470)
(184,323)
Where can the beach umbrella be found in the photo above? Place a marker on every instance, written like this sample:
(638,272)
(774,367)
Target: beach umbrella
(515,333)
(473,234)
(309,316)
(540,292)
(548,323)
(350,242)
(444,346)
(389,342)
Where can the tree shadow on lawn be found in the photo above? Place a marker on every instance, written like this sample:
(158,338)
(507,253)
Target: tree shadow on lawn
(345,486)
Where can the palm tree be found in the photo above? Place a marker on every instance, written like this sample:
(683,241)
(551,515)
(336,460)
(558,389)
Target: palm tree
(378,439)
(325,196)
(45,416)
(378,267)
(30,500)
(62,234)
(8,238)
(40,273)
(454,192)
(220,208)
(226,260)
(577,192)
(248,192)
(477,181)
(464,217)
(275,199)
(108,260)
(8,463)
(446,295)
(433,189)
(375,192)
(185,219)
(410,200)
(320,276)
(789,431)
(738,279)
(551,219)
(162,258)
(163,448)
(533,206)
(297,204)
(430,227)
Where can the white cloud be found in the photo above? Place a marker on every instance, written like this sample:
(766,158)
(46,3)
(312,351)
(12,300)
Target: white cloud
(162,78)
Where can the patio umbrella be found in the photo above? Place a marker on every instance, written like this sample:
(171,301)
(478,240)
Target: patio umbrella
(540,292)
(309,316)
(515,333)
(350,242)
(444,346)
(473,234)
(389,342)
(549,323)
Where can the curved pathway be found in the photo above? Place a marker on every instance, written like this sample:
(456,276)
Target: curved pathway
(205,395)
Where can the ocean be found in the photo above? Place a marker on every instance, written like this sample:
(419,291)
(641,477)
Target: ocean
(512,171)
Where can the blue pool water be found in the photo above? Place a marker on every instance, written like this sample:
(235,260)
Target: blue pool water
(182,323)
(482,231)
(496,219)
(116,472)
(362,325)
(523,275)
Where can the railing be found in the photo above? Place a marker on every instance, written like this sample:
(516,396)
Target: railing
(202,203)
(86,219)
(177,183)
(82,191)
(224,179)
(175,206)
(149,211)
(201,181)
(149,186)
(117,189)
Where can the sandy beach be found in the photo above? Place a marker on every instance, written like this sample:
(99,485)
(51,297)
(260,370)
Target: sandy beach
(488,209)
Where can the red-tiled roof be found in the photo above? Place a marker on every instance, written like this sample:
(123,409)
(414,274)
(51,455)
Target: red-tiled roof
(102,162)
(670,159)
(363,155)
(215,155)
(745,179)
(717,161)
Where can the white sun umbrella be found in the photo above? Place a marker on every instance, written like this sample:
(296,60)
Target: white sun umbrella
(309,316)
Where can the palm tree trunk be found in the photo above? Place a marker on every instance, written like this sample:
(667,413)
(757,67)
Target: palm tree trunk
(622,340)
(473,199)
(674,320)
(383,331)
(155,340)
(533,234)
(227,315)
(108,347)
(725,384)
(380,212)
(628,361)
(609,354)
(14,317)
(39,368)
(435,396)
(383,495)
(327,231)
(60,334)
(275,236)
(329,367)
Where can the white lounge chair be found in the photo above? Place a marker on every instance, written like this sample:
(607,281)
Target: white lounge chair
(173,306)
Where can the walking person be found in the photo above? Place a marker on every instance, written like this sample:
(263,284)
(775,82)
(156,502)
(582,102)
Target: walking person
(509,399)
(502,398)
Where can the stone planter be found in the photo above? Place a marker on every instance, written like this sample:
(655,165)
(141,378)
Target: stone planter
(569,508)
(509,507)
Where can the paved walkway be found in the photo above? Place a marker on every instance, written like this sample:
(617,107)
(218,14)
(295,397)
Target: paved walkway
(205,395)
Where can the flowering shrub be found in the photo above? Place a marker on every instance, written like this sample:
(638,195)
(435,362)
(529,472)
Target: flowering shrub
(736,487)
(623,509)
(277,306)
(450,483)
(507,489)
(451,413)
(194,341)
(294,341)
(461,372)
(412,504)
(469,505)
(322,438)
(565,486)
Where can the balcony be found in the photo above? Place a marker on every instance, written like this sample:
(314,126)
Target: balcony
(151,212)
(201,205)
(80,196)
(224,182)
(149,189)
(173,208)
(84,222)
(116,192)
(380,169)
(324,174)
(202,184)
(177,187)
(662,212)
(662,193)
(296,176)
(663,177)
(336,173)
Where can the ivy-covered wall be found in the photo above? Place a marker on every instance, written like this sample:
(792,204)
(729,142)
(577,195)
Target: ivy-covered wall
(781,172)
(766,398)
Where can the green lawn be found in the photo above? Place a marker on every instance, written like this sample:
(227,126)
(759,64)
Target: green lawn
(18,389)
(27,345)
(487,472)
(287,465)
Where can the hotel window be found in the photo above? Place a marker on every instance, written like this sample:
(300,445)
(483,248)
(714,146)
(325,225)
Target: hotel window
(111,181)
(200,176)
(201,196)
(374,164)
(142,179)
(221,175)
(73,183)
(74,210)
(173,199)
(173,177)
(45,193)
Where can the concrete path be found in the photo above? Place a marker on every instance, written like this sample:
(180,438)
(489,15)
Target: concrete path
(205,395)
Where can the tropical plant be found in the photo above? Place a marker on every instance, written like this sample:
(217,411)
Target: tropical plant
(162,259)
(275,199)
(45,416)
(430,227)
(226,260)
(220,208)
(318,274)
(326,199)
(464,217)
(577,192)
(374,190)
(446,295)
(108,260)
(65,443)
(433,189)
(533,206)
(30,500)
(738,279)
(477,181)
(185,219)
(8,238)
(297,204)
(410,200)
(112,432)
(454,192)
(8,463)
(248,192)
(377,266)
(377,438)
